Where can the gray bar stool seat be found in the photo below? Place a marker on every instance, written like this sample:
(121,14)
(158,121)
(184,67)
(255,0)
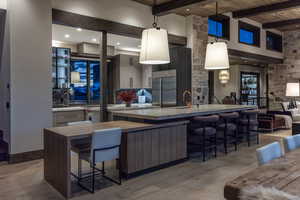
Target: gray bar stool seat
(204,134)
(229,130)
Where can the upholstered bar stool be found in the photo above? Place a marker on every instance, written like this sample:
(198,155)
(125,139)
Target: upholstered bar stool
(229,130)
(204,134)
(249,125)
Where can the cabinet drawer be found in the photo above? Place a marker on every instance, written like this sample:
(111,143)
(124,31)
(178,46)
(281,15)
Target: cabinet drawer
(70,116)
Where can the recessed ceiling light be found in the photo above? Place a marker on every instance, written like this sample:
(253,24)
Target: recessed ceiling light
(94,40)
(79,29)
(188,10)
(118,43)
(67,35)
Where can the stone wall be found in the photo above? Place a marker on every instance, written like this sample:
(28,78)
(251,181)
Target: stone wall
(289,71)
(197,29)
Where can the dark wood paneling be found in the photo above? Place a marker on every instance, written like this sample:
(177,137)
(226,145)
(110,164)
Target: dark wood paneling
(283,23)
(152,148)
(266,8)
(166,8)
(96,24)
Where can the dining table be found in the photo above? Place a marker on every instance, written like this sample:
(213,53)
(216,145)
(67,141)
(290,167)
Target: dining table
(282,174)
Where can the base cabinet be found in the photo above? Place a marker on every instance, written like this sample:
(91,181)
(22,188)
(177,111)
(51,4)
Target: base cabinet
(63,118)
(152,148)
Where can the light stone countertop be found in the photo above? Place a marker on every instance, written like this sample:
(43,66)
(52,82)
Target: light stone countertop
(180,112)
(111,107)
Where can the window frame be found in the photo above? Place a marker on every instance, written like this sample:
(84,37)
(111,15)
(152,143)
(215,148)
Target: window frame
(276,36)
(251,28)
(225,21)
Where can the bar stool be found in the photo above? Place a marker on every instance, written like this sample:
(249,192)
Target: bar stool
(249,125)
(229,130)
(105,147)
(205,134)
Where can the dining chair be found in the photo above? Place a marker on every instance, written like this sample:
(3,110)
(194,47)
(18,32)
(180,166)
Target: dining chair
(105,146)
(268,153)
(291,143)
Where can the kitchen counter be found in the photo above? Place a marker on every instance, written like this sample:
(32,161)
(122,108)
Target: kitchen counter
(156,114)
(112,107)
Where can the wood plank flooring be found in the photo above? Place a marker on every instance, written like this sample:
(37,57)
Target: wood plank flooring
(192,180)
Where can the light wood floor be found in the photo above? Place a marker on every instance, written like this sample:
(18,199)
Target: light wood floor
(192,180)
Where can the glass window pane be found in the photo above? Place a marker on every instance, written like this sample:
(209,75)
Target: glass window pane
(79,90)
(95,82)
(215,28)
(246,36)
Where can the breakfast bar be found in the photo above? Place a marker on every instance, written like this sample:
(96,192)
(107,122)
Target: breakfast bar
(144,147)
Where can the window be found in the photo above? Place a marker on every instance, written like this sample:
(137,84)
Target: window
(87,90)
(218,26)
(249,34)
(274,41)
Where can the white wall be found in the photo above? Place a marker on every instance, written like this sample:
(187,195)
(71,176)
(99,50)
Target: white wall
(234,39)
(122,11)
(3,4)
(30,60)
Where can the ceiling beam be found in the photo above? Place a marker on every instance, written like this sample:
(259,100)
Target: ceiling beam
(279,24)
(166,8)
(96,24)
(265,9)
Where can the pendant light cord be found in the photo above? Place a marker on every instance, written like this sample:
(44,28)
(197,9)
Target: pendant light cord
(217,7)
(155,23)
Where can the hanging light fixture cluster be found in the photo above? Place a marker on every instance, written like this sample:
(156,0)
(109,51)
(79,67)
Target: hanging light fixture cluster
(155,45)
(216,53)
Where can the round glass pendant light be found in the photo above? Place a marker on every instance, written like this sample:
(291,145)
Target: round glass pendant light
(155,47)
(216,53)
(224,76)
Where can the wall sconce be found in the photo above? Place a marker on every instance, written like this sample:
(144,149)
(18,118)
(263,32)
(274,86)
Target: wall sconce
(224,76)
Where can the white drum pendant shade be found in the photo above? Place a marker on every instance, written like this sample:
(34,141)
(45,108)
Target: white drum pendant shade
(216,56)
(155,47)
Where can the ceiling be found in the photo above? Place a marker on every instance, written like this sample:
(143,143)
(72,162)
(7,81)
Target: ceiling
(207,7)
(119,42)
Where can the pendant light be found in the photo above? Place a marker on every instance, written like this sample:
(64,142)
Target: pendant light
(155,45)
(224,76)
(216,53)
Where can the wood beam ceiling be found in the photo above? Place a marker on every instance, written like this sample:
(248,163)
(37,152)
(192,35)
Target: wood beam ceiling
(166,8)
(280,24)
(267,8)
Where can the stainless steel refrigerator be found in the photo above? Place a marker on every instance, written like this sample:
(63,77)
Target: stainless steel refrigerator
(164,91)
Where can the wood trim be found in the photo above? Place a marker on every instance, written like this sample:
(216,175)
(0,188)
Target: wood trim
(26,156)
(2,31)
(166,8)
(279,24)
(265,9)
(96,24)
(262,58)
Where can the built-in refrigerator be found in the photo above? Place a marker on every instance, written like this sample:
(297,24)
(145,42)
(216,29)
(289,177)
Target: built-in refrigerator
(164,91)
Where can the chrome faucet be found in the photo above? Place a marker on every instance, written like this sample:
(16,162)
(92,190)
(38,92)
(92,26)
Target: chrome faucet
(187,100)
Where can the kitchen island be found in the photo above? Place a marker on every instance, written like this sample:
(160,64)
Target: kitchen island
(156,115)
(144,147)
